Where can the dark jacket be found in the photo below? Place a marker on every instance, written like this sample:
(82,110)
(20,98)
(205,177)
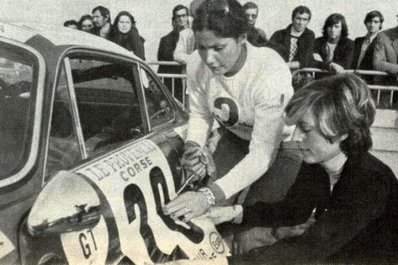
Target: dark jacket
(131,41)
(257,37)
(305,45)
(166,49)
(367,61)
(343,53)
(355,223)
(386,51)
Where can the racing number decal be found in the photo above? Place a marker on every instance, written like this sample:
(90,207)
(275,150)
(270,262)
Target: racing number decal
(86,239)
(226,111)
(195,234)
(134,196)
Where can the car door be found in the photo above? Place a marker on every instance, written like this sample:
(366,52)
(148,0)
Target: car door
(116,153)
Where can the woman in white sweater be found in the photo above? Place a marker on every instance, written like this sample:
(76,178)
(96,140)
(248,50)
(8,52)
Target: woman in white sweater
(245,89)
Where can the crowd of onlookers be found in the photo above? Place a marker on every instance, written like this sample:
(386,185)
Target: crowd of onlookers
(296,43)
(333,51)
(123,30)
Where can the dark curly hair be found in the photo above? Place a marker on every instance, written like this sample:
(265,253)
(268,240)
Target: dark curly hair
(225,17)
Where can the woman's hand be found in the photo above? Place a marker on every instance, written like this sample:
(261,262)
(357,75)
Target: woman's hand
(189,204)
(223,214)
(192,160)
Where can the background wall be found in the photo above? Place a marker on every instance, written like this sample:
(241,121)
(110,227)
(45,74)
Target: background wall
(154,16)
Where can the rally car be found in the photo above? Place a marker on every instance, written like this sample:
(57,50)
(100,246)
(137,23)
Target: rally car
(90,146)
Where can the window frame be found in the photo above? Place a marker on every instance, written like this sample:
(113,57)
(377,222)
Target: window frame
(38,83)
(167,96)
(64,61)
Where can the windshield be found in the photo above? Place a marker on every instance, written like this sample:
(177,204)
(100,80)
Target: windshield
(17,68)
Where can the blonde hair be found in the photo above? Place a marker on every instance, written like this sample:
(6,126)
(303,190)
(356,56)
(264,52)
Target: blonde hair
(342,105)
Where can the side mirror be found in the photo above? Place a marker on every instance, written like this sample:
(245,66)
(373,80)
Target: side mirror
(67,203)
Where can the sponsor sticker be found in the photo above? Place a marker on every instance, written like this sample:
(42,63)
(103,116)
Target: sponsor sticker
(217,242)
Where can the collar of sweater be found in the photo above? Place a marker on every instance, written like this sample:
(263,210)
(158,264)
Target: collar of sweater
(335,165)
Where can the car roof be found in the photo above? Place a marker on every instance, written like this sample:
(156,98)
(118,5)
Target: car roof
(60,36)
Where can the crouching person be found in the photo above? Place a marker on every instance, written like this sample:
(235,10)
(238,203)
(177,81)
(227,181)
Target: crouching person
(353,195)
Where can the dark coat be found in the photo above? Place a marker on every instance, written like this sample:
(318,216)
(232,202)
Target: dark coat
(131,41)
(257,37)
(343,54)
(386,51)
(305,45)
(355,223)
(166,49)
(367,62)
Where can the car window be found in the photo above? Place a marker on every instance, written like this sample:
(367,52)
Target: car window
(63,148)
(17,74)
(159,107)
(107,101)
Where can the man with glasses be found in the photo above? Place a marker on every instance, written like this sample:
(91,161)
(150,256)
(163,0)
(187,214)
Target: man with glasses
(167,47)
(255,36)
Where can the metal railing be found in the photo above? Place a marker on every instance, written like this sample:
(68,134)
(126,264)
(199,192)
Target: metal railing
(378,88)
(173,78)
(375,87)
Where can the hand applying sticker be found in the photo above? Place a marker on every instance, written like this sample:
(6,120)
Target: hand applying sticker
(192,160)
(188,205)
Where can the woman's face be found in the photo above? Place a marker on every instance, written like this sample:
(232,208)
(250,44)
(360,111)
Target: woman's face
(87,25)
(124,24)
(220,54)
(314,147)
(334,31)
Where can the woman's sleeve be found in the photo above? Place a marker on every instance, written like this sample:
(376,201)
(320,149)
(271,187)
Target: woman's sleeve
(294,209)
(200,117)
(270,99)
(351,214)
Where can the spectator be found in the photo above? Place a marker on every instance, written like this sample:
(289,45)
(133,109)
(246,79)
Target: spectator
(125,34)
(255,36)
(297,40)
(364,46)
(334,50)
(102,21)
(386,51)
(71,24)
(86,23)
(185,46)
(167,46)
(353,194)
(245,89)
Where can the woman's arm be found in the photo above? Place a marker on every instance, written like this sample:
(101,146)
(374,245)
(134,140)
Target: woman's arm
(349,214)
